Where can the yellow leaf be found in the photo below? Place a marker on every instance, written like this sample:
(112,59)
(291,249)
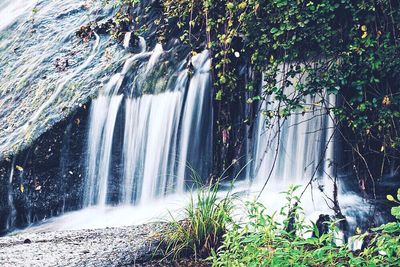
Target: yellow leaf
(271,58)
(386,100)
(317,104)
(358,230)
(364,28)
(19,168)
(21,188)
(365,34)
(242,5)
(390,197)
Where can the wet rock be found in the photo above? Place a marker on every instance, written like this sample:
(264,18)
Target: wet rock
(47,177)
(322,225)
(85,33)
(367,241)
(116,27)
(105,28)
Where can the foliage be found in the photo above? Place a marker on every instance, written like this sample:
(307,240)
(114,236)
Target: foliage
(267,240)
(263,241)
(207,218)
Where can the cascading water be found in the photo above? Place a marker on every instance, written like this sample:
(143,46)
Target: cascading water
(104,114)
(302,142)
(300,150)
(157,128)
(11,217)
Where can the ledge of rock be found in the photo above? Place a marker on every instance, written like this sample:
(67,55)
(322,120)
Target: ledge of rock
(126,246)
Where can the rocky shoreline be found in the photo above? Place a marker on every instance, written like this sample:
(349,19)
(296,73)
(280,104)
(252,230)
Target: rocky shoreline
(125,246)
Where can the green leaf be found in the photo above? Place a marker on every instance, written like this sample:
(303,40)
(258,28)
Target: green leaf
(274,30)
(218,96)
(396,212)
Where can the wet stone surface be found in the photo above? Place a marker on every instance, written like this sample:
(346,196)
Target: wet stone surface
(126,246)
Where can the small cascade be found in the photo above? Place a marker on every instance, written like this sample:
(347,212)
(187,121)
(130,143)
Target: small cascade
(294,150)
(305,145)
(148,140)
(157,137)
(192,116)
(104,114)
(12,215)
(143,121)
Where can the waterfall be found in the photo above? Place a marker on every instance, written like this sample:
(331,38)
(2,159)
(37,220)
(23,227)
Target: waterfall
(303,145)
(295,150)
(160,129)
(192,115)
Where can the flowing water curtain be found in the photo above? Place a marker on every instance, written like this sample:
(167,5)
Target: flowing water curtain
(163,132)
(297,148)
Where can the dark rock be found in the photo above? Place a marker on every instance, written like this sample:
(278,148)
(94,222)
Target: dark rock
(322,225)
(105,28)
(85,33)
(50,178)
(367,241)
(27,241)
(61,64)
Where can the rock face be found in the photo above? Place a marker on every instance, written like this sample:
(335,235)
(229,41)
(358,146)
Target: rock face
(127,246)
(46,71)
(46,178)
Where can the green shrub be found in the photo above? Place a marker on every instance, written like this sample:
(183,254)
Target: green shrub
(264,241)
(207,217)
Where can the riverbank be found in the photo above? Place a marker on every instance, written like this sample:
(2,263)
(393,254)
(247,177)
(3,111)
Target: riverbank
(125,246)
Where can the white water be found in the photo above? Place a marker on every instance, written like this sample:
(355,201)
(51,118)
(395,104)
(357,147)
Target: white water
(10,11)
(155,138)
(303,149)
(192,114)
(303,143)
(11,217)
(159,133)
